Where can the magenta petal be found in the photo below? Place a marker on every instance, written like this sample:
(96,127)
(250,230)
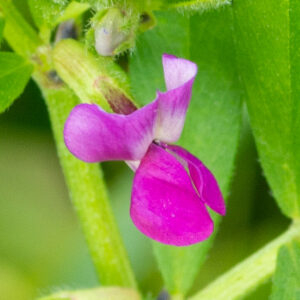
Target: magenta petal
(164,204)
(94,135)
(177,71)
(203,179)
(173,104)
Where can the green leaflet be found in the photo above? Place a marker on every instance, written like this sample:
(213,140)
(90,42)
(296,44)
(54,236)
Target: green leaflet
(286,281)
(14,75)
(267,46)
(72,11)
(45,12)
(18,33)
(48,13)
(212,125)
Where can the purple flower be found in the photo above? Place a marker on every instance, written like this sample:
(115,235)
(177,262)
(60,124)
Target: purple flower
(171,187)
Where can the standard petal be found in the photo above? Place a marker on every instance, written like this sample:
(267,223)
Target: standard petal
(173,104)
(202,178)
(164,204)
(94,135)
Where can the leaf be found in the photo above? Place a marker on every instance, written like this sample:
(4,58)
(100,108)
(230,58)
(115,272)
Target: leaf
(45,12)
(72,11)
(212,126)
(14,75)
(267,46)
(286,280)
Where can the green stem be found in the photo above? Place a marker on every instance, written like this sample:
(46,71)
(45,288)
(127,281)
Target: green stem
(88,193)
(248,274)
(85,181)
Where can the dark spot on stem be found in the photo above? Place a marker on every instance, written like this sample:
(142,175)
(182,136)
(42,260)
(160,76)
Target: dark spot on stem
(119,103)
(116,99)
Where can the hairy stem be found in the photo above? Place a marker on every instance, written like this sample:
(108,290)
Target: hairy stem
(248,274)
(85,181)
(88,194)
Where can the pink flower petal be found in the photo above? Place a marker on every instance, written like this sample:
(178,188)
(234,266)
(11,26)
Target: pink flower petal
(94,135)
(164,204)
(177,71)
(203,179)
(173,104)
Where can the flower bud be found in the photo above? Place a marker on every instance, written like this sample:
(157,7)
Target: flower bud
(113,32)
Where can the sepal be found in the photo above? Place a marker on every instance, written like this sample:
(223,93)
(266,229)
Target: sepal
(113,31)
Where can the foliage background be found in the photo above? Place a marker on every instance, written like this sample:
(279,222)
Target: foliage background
(41,246)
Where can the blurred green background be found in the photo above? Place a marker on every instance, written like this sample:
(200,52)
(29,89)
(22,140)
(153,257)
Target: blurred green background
(41,246)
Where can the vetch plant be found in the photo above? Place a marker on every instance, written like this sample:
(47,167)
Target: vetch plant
(97,64)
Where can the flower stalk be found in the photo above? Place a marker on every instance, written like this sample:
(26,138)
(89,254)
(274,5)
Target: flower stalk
(250,273)
(85,181)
